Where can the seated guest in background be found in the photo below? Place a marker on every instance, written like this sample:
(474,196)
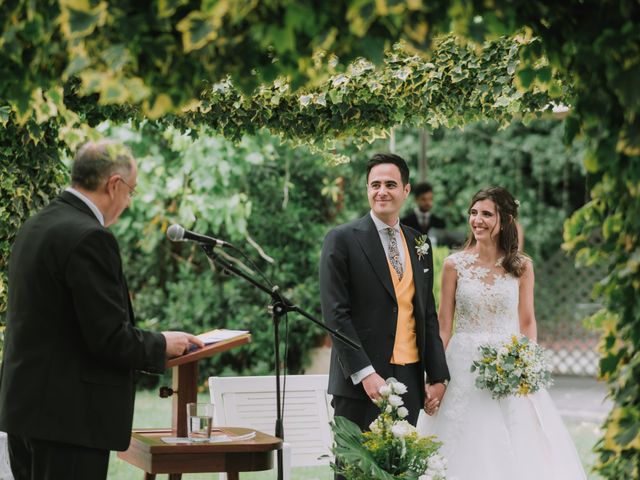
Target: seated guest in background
(67,383)
(421,217)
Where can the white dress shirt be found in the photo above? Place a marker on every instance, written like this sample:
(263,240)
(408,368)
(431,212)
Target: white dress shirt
(96,211)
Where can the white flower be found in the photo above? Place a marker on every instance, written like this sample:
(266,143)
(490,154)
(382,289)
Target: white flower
(403,412)
(437,466)
(389,409)
(375,426)
(401,429)
(503,351)
(437,462)
(395,400)
(422,247)
(399,388)
(384,390)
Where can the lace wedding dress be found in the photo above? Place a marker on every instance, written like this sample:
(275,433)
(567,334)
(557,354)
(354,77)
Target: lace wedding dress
(520,438)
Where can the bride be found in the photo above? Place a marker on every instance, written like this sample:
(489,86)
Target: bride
(489,286)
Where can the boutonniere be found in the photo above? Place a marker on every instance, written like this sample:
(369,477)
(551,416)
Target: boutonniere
(422,247)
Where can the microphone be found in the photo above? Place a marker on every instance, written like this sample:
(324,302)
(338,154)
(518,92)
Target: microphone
(177,233)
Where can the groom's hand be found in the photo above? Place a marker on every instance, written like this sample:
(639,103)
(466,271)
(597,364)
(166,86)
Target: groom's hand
(433,397)
(372,384)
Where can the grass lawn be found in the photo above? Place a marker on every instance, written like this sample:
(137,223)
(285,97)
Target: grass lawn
(152,411)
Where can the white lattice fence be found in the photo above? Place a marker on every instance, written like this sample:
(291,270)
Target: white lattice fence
(563,301)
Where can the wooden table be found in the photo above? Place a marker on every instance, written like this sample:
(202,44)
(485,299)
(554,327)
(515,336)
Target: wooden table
(148,452)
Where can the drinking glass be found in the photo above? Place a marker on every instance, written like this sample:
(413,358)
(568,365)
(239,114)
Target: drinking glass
(199,421)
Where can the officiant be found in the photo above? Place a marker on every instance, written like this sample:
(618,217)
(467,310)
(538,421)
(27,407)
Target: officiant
(71,345)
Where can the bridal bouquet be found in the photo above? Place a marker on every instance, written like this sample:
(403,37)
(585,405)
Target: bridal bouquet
(392,450)
(515,367)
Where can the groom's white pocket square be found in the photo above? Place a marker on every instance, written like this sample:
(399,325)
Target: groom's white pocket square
(425,270)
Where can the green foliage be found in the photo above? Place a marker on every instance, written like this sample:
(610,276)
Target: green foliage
(439,255)
(251,195)
(391,449)
(456,85)
(156,55)
(30,175)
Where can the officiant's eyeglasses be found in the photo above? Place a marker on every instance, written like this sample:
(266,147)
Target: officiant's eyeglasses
(132,191)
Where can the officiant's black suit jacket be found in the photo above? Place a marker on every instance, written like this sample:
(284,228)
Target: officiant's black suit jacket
(71,346)
(358,300)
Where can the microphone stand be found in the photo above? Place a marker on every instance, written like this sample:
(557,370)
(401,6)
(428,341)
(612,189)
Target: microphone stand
(279,307)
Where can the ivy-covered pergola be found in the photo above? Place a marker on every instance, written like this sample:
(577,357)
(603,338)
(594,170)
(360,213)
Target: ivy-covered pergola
(294,67)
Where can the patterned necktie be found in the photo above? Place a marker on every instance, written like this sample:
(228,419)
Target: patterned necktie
(394,253)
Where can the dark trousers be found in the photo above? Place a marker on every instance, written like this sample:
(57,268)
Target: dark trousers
(363,412)
(33,459)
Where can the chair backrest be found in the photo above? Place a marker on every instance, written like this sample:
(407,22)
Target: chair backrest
(250,402)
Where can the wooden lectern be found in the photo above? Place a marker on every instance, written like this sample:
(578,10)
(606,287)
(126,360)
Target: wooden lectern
(185,378)
(148,452)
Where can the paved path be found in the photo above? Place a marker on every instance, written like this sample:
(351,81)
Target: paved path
(581,398)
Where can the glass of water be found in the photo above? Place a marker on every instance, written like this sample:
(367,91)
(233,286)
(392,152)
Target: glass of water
(199,421)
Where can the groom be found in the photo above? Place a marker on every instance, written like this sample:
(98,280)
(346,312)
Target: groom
(376,289)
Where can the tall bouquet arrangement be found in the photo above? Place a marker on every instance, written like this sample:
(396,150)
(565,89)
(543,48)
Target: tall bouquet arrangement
(517,366)
(392,449)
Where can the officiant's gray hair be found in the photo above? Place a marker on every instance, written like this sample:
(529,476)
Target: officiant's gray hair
(95,162)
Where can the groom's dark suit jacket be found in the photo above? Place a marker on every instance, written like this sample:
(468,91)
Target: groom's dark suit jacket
(359,301)
(71,346)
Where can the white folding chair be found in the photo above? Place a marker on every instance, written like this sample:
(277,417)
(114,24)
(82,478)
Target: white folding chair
(250,402)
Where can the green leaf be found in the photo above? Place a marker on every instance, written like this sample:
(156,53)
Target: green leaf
(167,8)
(591,161)
(5,112)
(116,56)
(571,129)
(197,29)
(526,77)
(79,19)
(544,75)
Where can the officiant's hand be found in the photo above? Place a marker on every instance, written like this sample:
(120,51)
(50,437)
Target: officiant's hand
(372,384)
(433,397)
(178,343)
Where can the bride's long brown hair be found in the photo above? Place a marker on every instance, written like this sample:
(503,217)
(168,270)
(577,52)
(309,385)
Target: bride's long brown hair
(507,209)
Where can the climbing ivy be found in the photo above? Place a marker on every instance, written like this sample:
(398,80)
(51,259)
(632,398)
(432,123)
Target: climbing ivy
(63,63)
